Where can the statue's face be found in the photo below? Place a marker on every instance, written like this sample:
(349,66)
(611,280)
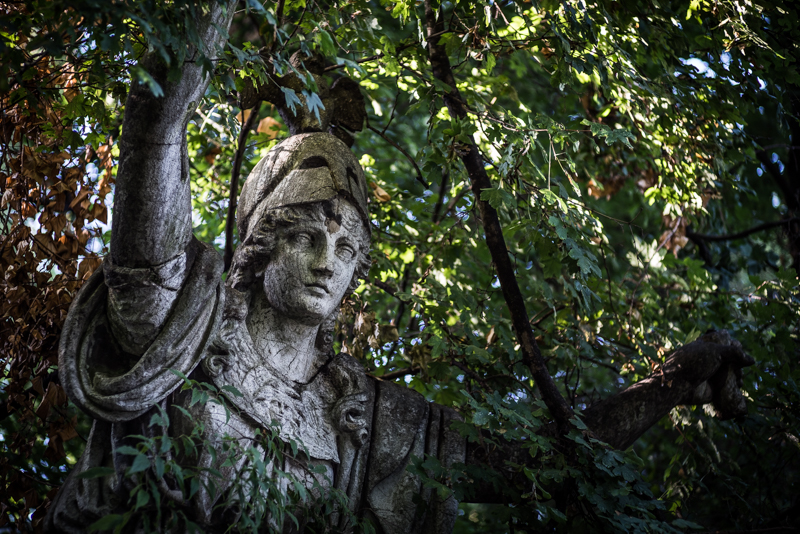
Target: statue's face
(312,265)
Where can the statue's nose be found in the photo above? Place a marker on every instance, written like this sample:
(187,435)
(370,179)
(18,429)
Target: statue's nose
(322,265)
(322,270)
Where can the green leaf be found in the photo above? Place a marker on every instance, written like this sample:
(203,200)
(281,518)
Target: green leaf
(232,390)
(142,498)
(326,43)
(140,463)
(481,417)
(142,76)
(108,522)
(490,62)
(498,198)
(126,449)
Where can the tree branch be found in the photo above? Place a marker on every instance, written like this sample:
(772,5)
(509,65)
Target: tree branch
(730,237)
(437,209)
(400,373)
(420,179)
(440,66)
(230,222)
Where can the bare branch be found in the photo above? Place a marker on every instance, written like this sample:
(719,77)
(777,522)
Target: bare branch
(420,179)
(739,235)
(532,356)
(230,222)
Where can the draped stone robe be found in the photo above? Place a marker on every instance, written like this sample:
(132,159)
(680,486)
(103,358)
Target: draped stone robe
(364,432)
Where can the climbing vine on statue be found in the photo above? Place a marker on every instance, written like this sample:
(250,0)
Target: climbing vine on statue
(643,166)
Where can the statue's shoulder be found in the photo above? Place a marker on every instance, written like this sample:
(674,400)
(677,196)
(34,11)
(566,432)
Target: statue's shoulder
(124,337)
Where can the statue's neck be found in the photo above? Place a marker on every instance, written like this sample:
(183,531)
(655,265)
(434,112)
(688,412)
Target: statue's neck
(287,345)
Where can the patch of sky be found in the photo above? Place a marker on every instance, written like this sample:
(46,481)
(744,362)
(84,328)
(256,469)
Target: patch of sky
(95,245)
(701,67)
(515,396)
(33,224)
(92,171)
(725,57)
(411,216)
(776,201)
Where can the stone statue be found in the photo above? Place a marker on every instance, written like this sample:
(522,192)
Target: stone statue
(305,243)
(158,305)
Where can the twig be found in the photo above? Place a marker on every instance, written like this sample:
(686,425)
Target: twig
(296,27)
(388,288)
(598,362)
(442,191)
(537,319)
(452,204)
(685,439)
(230,222)
(399,373)
(730,237)
(420,179)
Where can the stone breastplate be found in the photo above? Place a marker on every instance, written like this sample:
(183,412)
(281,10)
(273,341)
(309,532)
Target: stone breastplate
(301,410)
(312,414)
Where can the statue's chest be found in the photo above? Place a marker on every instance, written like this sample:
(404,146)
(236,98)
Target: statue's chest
(301,411)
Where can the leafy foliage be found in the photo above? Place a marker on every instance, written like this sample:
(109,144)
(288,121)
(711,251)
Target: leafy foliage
(621,139)
(164,475)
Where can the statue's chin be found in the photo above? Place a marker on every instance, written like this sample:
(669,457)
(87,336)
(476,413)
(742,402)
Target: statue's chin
(307,307)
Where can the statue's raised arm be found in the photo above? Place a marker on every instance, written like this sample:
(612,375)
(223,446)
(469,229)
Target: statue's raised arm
(152,210)
(154,259)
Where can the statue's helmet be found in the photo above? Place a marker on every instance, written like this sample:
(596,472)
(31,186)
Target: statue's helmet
(303,169)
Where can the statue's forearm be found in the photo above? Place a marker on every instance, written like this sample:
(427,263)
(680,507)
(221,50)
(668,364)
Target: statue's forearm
(705,371)
(702,372)
(152,206)
(620,419)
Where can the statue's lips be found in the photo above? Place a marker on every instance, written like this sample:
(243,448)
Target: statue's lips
(317,285)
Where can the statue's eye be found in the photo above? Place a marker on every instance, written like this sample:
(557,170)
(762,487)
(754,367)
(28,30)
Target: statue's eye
(303,239)
(345,251)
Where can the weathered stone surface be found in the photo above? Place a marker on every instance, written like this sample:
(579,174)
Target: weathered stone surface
(305,243)
(706,370)
(343,109)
